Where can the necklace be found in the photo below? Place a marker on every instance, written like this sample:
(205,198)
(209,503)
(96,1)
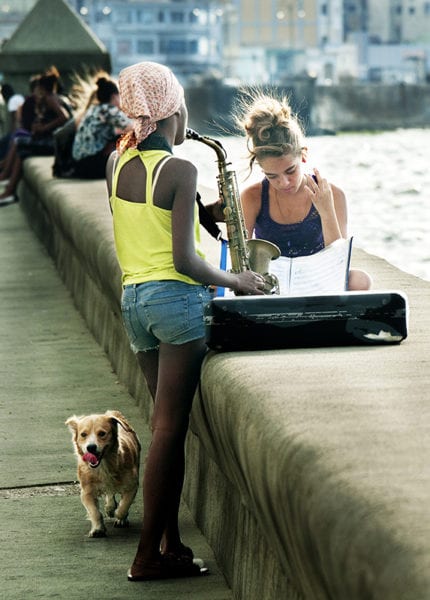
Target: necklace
(297,212)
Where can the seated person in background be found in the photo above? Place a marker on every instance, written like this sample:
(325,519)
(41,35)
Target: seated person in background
(301,213)
(98,132)
(27,111)
(13,103)
(62,97)
(50,114)
(25,116)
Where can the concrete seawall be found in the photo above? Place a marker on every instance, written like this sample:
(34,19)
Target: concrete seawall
(307,469)
(322,109)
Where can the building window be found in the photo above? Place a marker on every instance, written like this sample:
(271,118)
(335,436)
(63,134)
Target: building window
(125,16)
(427,8)
(145,16)
(145,46)
(123,47)
(103,15)
(173,46)
(193,47)
(324,9)
(177,16)
(412,10)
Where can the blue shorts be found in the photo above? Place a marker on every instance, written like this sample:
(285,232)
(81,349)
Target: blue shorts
(163,311)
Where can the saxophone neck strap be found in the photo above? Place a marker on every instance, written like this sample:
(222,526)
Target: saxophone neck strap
(207,221)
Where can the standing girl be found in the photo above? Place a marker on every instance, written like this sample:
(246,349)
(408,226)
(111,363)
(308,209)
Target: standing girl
(300,212)
(165,287)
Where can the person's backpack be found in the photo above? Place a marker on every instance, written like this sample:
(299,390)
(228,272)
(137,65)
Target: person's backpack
(63,142)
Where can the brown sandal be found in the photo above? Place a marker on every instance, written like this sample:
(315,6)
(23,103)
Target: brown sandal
(166,567)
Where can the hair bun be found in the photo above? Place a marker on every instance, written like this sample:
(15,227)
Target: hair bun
(271,127)
(101,81)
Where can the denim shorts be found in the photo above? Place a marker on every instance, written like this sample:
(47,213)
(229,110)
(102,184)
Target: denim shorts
(163,311)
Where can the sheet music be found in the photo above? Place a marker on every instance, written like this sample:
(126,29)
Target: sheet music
(324,271)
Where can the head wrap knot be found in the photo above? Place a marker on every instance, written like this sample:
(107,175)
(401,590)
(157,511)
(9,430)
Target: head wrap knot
(149,92)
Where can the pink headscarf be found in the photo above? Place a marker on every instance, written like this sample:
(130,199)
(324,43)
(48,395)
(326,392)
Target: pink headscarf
(149,92)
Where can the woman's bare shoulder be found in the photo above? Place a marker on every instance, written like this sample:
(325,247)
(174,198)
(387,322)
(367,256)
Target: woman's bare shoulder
(338,193)
(252,193)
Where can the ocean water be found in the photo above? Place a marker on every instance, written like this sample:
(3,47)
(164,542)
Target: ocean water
(386,179)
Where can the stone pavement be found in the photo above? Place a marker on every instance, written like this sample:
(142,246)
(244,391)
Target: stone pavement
(51,367)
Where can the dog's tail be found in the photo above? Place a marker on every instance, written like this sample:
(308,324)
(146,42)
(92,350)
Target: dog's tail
(120,419)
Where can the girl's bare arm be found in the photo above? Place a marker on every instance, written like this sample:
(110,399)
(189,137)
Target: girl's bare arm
(186,260)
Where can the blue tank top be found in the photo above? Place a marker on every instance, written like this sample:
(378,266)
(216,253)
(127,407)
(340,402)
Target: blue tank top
(294,239)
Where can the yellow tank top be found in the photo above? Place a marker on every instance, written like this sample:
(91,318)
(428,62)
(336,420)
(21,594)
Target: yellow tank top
(142,231)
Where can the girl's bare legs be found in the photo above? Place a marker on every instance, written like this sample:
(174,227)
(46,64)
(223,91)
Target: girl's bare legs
(8,162)
(178,375)
(148,363)
(171,540)
(14,177)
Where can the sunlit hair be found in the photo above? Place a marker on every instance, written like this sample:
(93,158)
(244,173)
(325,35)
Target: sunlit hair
(85,88)
(270,126)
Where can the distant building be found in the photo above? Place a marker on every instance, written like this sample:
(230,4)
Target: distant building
(183,34)
(11,15)
(388,21)
(392,38)
(273,41)
(298,38)
(51,33)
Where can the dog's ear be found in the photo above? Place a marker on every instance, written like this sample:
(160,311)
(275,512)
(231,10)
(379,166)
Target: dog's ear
(72,424)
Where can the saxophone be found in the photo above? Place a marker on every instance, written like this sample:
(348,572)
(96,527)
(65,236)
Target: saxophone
(245,254)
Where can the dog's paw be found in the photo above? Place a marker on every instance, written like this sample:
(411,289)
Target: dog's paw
(121,523)
(97,533)
(110,505)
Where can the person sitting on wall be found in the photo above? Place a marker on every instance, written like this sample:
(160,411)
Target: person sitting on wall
(13,103)
(26,115)
(98,131)
(50,114)
(299,212)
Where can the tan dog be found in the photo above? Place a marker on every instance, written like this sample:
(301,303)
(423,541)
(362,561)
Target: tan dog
(108,452)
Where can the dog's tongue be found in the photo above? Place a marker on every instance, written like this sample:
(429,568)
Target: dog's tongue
(90,458)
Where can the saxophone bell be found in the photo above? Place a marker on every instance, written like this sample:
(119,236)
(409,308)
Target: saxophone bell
(261,252)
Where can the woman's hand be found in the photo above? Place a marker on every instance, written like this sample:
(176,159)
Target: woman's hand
(330,203)
(249,284)
(321,194)
(37,128)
